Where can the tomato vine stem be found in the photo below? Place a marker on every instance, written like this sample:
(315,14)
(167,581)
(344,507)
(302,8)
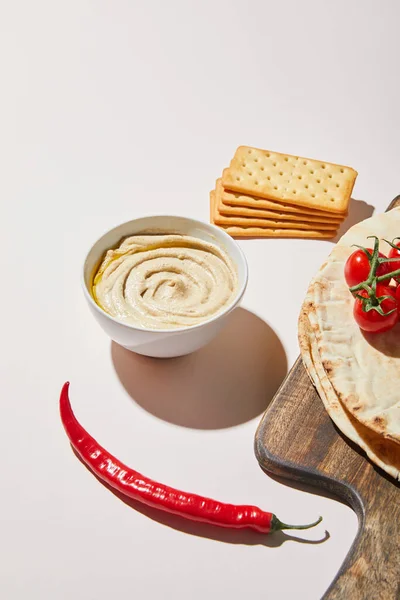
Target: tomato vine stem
(373,302)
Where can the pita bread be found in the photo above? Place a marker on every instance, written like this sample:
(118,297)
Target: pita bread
(384,453)
(363,369)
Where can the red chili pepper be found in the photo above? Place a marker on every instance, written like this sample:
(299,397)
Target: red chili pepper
(134,485)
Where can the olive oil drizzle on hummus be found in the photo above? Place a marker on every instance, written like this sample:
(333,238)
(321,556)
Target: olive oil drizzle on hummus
(163,281)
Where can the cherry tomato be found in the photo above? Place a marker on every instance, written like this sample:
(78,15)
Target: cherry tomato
(372,321)
(395,253)
(357,267)
(398,298)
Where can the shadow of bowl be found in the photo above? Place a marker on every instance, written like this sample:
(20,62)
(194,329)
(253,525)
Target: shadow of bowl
(228,382)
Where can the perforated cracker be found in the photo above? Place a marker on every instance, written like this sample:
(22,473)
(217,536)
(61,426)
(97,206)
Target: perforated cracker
(230,198)
(293,179)
(235,221)
(245,211)
(260,232)
(270,232)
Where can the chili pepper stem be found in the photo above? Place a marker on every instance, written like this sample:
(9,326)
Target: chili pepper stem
(276,524)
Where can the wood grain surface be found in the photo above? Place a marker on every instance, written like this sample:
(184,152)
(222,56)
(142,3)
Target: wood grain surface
(297,440)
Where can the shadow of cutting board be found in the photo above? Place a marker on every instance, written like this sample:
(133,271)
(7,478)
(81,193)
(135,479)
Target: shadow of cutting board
(297,440)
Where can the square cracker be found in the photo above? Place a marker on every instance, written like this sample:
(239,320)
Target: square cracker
(259,232)
(269,232)
(284,223)
(245,211)
(294,179)
(230,198)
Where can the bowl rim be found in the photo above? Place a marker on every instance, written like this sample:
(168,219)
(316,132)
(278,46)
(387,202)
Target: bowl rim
(237,298)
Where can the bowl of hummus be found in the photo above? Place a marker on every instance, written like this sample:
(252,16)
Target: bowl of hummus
(163,286)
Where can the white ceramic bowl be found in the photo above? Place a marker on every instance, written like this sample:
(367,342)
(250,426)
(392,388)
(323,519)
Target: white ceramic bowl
(163,343)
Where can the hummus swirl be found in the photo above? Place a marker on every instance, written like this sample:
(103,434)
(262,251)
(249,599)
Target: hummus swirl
(163,281)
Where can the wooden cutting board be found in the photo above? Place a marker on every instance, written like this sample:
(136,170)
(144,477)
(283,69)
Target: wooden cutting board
(297,440)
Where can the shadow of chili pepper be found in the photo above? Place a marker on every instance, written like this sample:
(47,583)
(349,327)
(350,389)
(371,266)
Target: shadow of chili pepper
(220,534)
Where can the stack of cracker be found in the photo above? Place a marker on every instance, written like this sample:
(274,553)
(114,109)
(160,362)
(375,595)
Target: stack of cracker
(268,194)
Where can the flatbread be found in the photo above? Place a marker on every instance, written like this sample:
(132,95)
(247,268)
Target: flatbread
(384,453)
(363,369)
